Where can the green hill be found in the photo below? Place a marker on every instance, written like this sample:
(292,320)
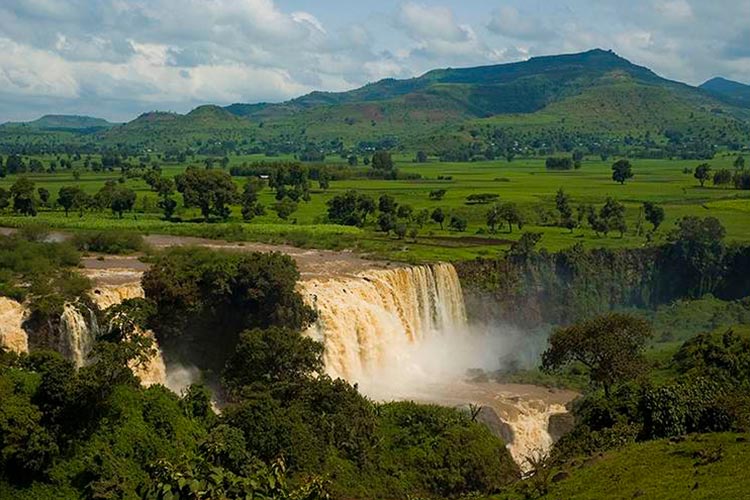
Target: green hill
(64,122)
(592,100)
(594,92)
(735,92)
(161,130)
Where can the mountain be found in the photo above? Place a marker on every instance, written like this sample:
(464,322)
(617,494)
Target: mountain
(159,130)
(65,122)
(595,100)
(594,92)
(734,91)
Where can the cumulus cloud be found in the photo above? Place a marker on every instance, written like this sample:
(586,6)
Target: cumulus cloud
(117,58)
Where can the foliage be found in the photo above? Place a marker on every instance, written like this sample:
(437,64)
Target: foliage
(109,242)
(209,190)
(609,346)
(622,170)
(210,297)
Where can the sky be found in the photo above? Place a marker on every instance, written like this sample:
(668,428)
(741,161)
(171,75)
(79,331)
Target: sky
(116,59)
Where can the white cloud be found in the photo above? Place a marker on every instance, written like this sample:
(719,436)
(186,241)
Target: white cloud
(507,21)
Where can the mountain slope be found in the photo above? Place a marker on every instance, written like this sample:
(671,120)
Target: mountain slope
(592,92)
(736,92)
(160,130)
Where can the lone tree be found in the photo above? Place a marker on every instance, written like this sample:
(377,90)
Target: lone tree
(622,170)
(702,173)
(609,346)
(654,214)
(438,216)
(67,197)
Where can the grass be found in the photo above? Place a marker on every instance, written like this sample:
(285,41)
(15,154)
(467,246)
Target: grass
(707,466)
(525,182)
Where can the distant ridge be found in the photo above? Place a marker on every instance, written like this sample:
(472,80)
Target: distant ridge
(66,122)
(735,91)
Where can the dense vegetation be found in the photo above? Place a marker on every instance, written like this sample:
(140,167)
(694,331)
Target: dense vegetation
(285,430)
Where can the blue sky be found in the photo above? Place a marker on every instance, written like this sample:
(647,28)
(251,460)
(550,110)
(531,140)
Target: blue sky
(119,58)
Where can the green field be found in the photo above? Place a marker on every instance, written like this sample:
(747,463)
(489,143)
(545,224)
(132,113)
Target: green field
(524,181)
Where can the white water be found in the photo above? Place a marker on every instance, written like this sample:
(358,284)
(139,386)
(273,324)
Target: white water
(403,334)
(77,333)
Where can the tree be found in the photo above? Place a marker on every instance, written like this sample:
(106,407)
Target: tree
(165,188)
(702,173)
(437,194)
(14,165)
(654,214)
(23,195)
(525,245)
(43,196)
(386,222)
(66,197)
(250,204)
(383,161)
(103,197)
(350,208)
(123,200)
(622,170)
(272,355)
(493,217)
(4,198)
(404,212)
(438,216)
(209,190)
(555,163)
(697,249)
(577,158)
(422,217)
(722,177)
(324,180)
(421,157)
(400,230)
(562,202)
(387,204)
(612,215)
(739,162)
(511,215)
(609,346)
(284,208)
(209,297)
(458,223)
(352,160)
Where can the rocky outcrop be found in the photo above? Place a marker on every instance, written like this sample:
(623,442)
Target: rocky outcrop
(12,335)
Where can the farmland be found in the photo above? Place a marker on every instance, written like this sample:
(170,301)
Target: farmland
(525,182)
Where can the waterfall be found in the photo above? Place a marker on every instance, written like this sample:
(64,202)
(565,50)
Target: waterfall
(12,335)
(402,334)
(373,319)
(77,334)
(155,370)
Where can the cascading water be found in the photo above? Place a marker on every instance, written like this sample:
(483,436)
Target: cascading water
(371,320)
(77,333)
(154,371)
(403,334)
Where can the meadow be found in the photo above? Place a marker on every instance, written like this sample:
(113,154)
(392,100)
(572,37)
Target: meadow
(525,182)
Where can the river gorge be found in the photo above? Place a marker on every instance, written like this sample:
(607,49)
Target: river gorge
(398,332)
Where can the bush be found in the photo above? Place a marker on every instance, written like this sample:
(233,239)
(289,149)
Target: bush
(109,242)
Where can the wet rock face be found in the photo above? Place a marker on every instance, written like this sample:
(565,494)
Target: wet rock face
(492,421)
(560,424)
